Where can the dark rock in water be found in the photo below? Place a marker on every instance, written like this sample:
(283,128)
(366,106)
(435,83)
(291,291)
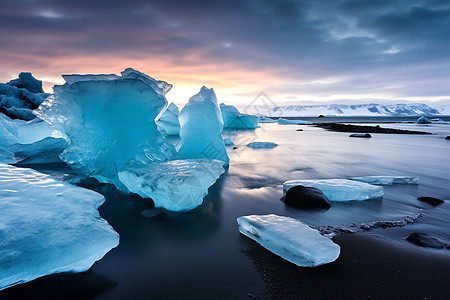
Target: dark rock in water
(421,239)
(361,135)
(431,200)
(321,116)
(306,197)
(299,129)
(365,129)
(447,137)
(234,148)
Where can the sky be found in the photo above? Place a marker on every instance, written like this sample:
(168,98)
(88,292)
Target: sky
(296,52)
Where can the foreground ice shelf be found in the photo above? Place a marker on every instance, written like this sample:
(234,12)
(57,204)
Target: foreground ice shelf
(48,226)
(177,185)
(340,189)
(289,238)
(387,180)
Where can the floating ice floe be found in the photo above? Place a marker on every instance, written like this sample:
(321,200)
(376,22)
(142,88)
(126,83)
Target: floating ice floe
(201,128)
(423,120)
(289,238)
(168,121)
(228,142)
(48,226)
(282,121)
(177,185)
(340,189)
(233,118)
(387,180)
(109,121)
(19,97)
(261,145)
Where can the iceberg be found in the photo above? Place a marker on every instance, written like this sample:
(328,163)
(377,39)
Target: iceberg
(232,118)
(177,185)
(228,142)
(291,239)
(7,157)
(201,128)
(423,120)
(19,97)
(282,121)
(109,120)
(266,120)
(48,226)
(261,145)
(168,121)
(387,180)
(340,189)
(43,151)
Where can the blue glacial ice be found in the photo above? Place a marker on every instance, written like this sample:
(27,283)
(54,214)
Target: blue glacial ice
(282,121)
(423,120)
(387,180)
(261,145)
(168,122)
(233,118)
(109,120)
(201,128)
(176,185)
(19,97)
(48,226)
(266,120)
(291,239)
(228,142)
(340,189)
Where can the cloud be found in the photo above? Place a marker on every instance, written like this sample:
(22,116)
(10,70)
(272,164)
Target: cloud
(239,47)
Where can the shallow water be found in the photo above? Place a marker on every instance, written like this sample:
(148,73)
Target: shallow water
(200,254)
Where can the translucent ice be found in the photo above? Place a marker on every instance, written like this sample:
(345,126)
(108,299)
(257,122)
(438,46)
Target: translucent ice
(423,120)
(19,97)
(169,120)
(228,142)
(48,226)
(267,120)
(340,189)
(282,121)
(387,180)
(260,145)
(176,185)
(109,121)
(289,238)
(201,128)
(232,118)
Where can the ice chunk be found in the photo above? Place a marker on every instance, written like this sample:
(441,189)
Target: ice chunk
(423,120)
(7,157)
(228,142)
(387,180)
(176,185)
(8,130)
(282,121)
(289,238)
(48,226)
(201,128)
(169,120)
(232,118)
(109,121)
(340,189)
(267,120)
(19,97)
(41,152)
(260,145)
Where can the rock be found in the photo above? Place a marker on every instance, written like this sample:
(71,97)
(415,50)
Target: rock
(423,240)
(321,116)
(447,137)
(431,200)
(234,148)
(299,129)
(360,135)
(306,197)
(365,129)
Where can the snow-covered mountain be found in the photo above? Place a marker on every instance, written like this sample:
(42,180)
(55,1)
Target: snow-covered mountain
(372,109)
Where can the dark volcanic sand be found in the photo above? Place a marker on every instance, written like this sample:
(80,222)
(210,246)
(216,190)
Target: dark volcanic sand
(369,267)
(365,129)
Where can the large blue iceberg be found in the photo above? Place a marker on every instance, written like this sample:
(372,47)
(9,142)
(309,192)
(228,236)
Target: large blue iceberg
(233,118)
(201,128)
(109,120)
(48,226)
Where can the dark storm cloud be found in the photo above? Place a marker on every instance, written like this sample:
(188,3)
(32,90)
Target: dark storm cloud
(363,42)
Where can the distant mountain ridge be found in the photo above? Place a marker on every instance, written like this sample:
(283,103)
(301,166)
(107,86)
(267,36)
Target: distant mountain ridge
(372,109)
